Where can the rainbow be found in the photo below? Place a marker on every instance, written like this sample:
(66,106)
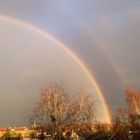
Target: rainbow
(72,54)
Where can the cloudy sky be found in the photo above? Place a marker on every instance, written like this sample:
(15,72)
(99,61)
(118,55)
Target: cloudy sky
(102,33)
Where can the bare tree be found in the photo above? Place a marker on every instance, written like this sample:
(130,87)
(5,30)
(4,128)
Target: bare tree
(54,103)
(129,117)
(123,115)
(82,108)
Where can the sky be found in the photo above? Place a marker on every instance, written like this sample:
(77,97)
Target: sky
(29,60)
(104,34)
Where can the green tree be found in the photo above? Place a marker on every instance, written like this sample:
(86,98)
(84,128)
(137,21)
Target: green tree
(8,134)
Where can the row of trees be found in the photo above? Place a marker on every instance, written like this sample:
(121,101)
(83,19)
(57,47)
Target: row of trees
(11,135)
(57,105)
(58,108)
(126,122)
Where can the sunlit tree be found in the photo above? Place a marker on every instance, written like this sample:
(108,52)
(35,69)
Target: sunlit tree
(82,108)
(57,108)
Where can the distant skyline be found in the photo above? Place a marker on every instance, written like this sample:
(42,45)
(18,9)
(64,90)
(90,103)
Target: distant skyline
(104,34)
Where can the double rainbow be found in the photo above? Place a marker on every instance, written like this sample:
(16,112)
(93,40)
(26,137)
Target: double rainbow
(72,54)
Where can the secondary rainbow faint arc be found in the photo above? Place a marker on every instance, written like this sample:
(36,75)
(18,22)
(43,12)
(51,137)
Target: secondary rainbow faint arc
(72,54)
